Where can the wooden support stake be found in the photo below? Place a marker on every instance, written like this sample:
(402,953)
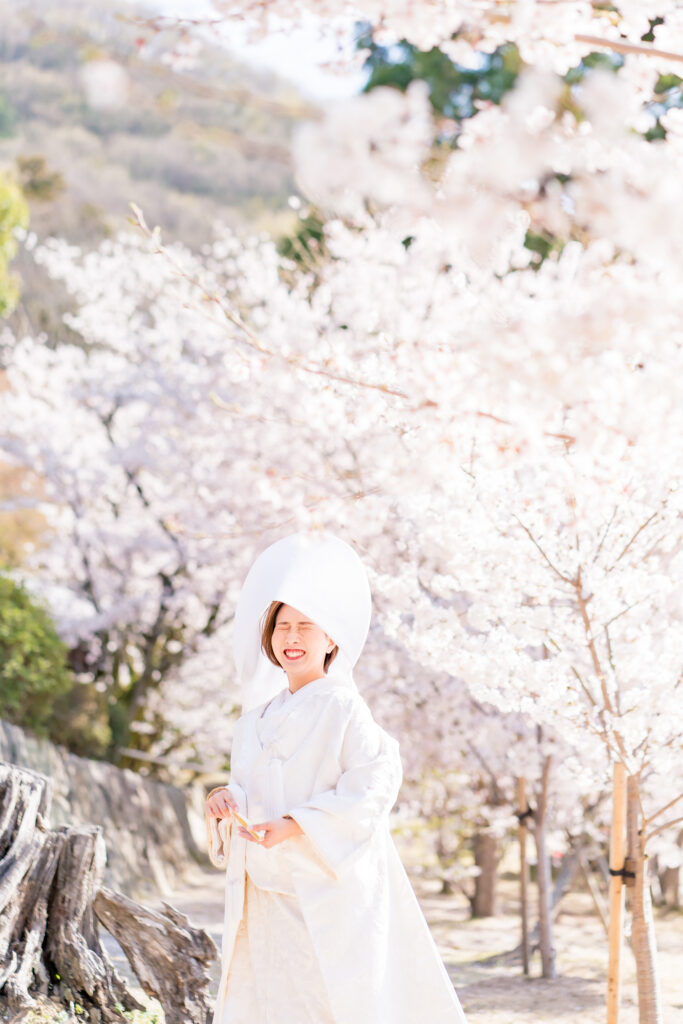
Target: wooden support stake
(617,851)
(523,873)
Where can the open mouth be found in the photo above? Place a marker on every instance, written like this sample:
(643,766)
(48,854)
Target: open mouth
(293,654)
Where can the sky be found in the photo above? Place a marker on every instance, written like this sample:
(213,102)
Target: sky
(298,55)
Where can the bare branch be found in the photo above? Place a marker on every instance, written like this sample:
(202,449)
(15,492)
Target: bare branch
(648,821)
(662,828)
(497,796)
(584,687)
(567,439)
(604,535)
(623,612)
(557,571)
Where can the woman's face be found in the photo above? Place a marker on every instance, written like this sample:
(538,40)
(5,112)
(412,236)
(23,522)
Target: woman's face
(299,645)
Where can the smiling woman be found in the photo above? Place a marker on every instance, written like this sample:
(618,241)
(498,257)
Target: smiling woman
(292,642)
(321,923)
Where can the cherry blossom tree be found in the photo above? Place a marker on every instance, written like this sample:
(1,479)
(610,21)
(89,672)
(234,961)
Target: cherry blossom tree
(494,433)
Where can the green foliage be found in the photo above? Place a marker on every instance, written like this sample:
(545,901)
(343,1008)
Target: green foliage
(306,244)
(37,180)
(33,660)
(13,214)
(668,91)
(593,60)
(542,244)
(668,94)
(649,36)
(667,82)
(454,91)
(37,688)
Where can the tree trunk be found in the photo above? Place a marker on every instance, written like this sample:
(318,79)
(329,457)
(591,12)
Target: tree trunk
(594,892)
(443,854)
(643,940)
(523,814)
(49,944)
(155,944)
(565,878)
(670,881)
(485,846)
(544,877)
(47,880)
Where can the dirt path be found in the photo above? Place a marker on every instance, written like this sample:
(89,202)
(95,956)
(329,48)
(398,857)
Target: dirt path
(499,995)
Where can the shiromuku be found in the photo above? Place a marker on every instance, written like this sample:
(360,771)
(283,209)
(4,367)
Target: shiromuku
(322,925)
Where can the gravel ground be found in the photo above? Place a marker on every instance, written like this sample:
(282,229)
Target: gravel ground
(500,995)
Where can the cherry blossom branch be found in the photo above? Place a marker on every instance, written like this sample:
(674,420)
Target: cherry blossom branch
(249,337)
(584,687)
(619,47)
(568,439)
(604,534)
(640,529)
(258,531)
(558,572)
(607,703)
(623,611)
(237,410)
(132,478)
(495,788)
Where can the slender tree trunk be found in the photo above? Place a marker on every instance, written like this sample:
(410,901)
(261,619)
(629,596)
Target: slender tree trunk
(670,880)
(486,859)
(561,885)
(594,891)
(643,940)
(671,887)
(443,852)
(544,877)
(523,813)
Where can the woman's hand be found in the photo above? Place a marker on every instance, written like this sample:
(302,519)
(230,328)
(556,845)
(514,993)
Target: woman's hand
(276,831)
(220,802)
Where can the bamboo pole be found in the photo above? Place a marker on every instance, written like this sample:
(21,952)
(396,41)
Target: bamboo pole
(523,872)
(617,851)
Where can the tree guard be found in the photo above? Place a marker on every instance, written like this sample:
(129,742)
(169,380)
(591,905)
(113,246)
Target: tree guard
(51,899)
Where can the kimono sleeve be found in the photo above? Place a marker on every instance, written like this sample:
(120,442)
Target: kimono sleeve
(340,822)
(219,830)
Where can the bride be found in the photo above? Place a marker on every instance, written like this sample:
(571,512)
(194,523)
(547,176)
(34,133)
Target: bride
(322,925)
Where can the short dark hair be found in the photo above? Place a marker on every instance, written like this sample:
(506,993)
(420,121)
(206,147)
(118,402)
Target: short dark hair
(267,637)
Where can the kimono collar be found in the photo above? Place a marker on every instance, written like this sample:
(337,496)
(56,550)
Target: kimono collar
(321,685)
(289,701)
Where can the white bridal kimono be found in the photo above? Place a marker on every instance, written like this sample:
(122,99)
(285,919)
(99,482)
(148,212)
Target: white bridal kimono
(346,942)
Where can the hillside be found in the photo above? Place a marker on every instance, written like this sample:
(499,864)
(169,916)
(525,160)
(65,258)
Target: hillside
(189,146)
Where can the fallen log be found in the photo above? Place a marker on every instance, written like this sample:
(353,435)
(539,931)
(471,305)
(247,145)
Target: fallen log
(51,899)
